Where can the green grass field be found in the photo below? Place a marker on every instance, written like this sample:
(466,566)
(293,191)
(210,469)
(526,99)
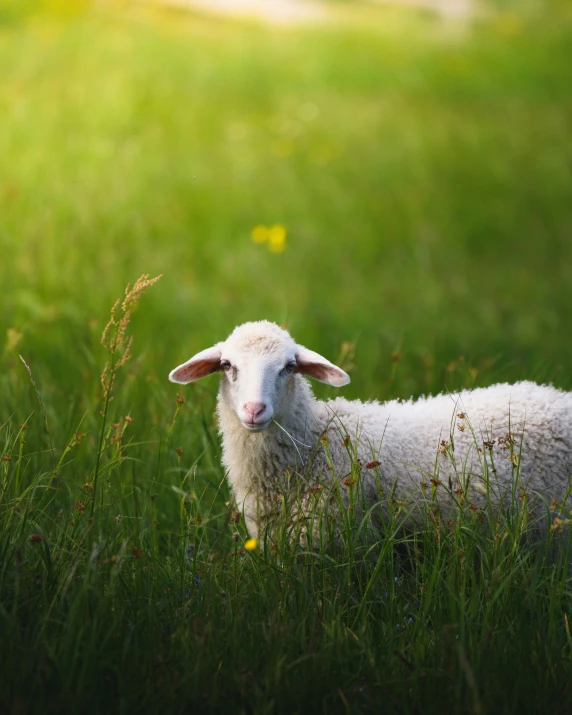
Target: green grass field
(423,177)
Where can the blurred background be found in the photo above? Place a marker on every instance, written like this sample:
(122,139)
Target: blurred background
(391,181)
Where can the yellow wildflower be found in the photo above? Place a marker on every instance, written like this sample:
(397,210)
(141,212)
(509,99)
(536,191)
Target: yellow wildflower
(277,238)
(251,544)
(260,234)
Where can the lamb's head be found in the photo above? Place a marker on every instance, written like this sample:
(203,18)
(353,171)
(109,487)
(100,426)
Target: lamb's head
(260,363)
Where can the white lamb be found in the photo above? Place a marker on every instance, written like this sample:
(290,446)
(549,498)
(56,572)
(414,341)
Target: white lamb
(495,444)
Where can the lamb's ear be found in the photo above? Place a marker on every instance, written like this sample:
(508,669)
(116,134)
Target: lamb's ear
(201,365)
(313,365)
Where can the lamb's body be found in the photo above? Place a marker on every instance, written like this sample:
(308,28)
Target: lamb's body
(414,443)
(494,443)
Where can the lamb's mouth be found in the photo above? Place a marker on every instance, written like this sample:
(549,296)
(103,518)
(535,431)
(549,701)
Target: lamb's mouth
(256,426)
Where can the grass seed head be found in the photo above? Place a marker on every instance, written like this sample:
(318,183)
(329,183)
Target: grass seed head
(114,336)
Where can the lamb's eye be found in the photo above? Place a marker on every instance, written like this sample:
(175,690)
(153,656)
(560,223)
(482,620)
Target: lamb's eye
(225,365)
(289,367)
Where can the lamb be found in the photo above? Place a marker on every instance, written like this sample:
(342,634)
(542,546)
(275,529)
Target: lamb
(489,445)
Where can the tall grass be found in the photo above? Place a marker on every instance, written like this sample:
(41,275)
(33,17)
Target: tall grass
(423,182)
(139,595)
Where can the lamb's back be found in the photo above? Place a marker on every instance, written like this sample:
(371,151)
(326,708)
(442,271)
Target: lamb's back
(523,424)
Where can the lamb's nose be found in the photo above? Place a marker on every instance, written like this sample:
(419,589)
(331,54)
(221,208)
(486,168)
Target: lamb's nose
(254,409)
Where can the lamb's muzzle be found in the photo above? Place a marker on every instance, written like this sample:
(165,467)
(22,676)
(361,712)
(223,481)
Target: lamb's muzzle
(256,415)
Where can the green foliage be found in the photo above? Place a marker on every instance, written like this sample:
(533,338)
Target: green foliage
(423,180)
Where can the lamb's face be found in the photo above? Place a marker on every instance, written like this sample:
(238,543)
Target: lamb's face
(257,377)
(259,362)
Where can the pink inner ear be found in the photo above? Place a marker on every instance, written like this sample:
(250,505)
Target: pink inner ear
(200,365)
(195,370)
(314,365)
(318,371)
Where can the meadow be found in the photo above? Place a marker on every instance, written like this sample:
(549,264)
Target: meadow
(396,191)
